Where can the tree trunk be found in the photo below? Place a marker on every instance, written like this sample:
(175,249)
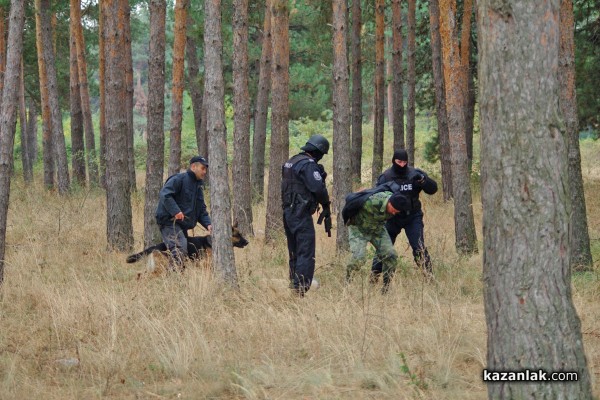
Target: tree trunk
(440,98)
(280,140)
(242,194)
(119,229)
(357,114)
(77,145)
(2,48)
(58,136)
(177,87)
(102,90)
(390,81)
(155,120)
(8,115)
(262,109)
(581,256)
(90,140)
(531,320)
(49,170)
(465,56)
(397,76)
(470,113)
(464,223)
(203,145)
(128,65)
(379,94)
(32,133)
(25,145)
(222,250)
(342,184)
(412,81)
(194,87)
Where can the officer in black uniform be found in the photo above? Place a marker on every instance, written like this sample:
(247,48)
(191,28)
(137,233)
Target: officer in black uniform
(302,190)
(411,181)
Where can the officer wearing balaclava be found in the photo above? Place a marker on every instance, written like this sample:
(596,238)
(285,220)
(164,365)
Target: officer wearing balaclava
(302,190)
(411,181)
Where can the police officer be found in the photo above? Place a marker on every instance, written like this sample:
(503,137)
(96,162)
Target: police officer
(411,181)
(181,206)
(302,190)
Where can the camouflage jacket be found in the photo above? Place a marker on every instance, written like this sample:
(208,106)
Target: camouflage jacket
(373,214)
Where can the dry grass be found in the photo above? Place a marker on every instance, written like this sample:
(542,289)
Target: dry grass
(77,324)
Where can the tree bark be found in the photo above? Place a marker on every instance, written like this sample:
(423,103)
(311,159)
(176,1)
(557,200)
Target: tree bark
(128,65)
(397,76)
(440,98)
(155,120)
(412,81)
(379,94)
(279,115)
(581,256)
(25,144)
(464,223)
(119,229)
(102,90)
(193,80)
(177,87)
(390,81)
(465,56)
(222,250)
(49,171)
(357,114)
(58,136)
(342,184)
(77,144)
(90,141)
(531,320)
(8,115)
(32,133)
(2,48)
(262,109)
(242,194)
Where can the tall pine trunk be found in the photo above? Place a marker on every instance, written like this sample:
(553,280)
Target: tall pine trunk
(128,68)
(2,47)
(440,98)
(465,57)
(77,143)
(341,120)
(8,115)
(379,95)
(581,256)
(357,114)
(155,120)
(222,250)
(119,228)
(32,129)
(464,223)
(279,115)
(242,193)
(58,136)
(262,109)
(177,86)
(25,144)
(102,90)
(397,76)
(412,81)
(193,80)
(531,320)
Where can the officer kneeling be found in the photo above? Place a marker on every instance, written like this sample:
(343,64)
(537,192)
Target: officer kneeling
(302,190)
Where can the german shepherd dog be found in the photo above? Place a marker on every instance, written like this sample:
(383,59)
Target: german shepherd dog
(198,246)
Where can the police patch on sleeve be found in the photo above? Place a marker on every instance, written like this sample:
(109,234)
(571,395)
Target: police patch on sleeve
(317,176)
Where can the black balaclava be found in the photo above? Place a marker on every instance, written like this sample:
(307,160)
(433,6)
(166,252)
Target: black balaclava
(401,155)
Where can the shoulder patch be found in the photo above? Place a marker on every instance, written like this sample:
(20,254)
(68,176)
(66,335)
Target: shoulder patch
(317,176)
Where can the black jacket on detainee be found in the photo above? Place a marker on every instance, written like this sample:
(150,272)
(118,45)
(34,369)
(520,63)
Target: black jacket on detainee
(302,183)
(182,192)
(407,178)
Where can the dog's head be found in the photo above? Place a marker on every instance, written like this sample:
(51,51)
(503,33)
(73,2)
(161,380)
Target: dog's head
(237,239)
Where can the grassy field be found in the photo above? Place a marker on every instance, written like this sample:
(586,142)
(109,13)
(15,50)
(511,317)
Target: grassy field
(76,323)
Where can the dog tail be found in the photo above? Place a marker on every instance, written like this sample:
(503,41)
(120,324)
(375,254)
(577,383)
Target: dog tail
(135,257)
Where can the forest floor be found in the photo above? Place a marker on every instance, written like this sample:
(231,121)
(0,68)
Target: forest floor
(76,323)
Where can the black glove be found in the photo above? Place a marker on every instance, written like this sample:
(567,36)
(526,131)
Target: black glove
(418,180)
(321,169)
(325,216)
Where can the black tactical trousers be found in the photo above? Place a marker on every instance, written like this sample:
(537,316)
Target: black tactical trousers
(413,228)
(300,233)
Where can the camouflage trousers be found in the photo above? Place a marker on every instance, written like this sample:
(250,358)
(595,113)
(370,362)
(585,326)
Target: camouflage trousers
(384,249)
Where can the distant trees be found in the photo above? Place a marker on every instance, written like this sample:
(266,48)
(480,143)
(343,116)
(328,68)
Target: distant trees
(357,114)
(379,94)
(412,82)
(531,320)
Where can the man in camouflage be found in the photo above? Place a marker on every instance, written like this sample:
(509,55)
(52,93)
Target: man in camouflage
(368,226)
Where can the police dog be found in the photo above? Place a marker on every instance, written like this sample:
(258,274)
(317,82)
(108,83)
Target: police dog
(199,247)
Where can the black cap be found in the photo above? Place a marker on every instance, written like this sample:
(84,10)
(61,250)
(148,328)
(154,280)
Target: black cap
(199,159)
(400,202)
(401,155)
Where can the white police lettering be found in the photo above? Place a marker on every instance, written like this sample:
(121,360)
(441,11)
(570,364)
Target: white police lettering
(288,165)
(317,175)
(406,186)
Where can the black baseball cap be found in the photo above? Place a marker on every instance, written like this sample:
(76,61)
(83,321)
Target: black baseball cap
(199,159)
